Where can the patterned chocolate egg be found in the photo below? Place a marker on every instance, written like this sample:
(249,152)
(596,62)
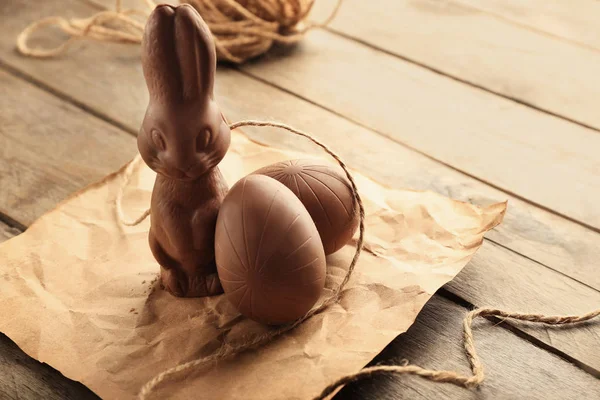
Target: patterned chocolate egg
(269,256)
(325,192)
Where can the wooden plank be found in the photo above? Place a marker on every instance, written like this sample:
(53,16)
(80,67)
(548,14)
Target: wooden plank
(536,233)
(541,235)
(7,232)
(49,148)
(472,45)
(84,67)
(430,345)
(502,279)
(384,159)
(505,357)
(23,378)
(493,139)
(575,20)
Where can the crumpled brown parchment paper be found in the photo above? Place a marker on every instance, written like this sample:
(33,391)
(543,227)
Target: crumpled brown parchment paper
(78,291)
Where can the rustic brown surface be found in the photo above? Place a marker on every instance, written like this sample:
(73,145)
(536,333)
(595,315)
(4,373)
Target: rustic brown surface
(576,22)
(22,377)
(536,233)
(493,139)
(521,139)
(502,279)
(469,40)
(515,369)
(7,232)
(536,261)
(49,149)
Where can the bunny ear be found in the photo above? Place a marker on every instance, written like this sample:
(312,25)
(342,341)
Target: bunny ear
(196,54)
(159,59)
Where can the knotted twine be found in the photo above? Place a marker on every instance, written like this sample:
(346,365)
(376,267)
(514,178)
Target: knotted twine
(441,376)
(242,29)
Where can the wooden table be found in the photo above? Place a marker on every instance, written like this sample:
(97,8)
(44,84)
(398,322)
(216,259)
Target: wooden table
(481,101)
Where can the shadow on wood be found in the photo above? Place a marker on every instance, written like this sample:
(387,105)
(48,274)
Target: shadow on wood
(22,377)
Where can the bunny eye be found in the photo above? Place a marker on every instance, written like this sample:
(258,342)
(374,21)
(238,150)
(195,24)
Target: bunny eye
(203,139)
(158,140)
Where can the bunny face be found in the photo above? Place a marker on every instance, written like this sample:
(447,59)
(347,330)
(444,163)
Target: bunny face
(183,143)
(183,134)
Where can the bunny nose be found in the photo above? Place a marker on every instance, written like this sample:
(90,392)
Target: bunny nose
(177,171)
(178,174)
(177,164)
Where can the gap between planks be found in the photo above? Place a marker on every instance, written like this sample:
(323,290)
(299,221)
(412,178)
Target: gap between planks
(512,327)
(66,98)
(374,44)
(450,295)
(523,25)
(459,79)
(503,357)
(12,223)
(540,263)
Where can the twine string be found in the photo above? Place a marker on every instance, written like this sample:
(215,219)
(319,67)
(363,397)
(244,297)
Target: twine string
(107,26)
(441,376)
(455,378)
(240,31)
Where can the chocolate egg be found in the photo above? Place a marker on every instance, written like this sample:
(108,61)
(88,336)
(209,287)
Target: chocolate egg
(327,195)
(269,256)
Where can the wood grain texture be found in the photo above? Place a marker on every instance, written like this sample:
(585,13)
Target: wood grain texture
(545,236)
(7,232)
(458,39)
(49,148)
(23,378)
(548,238)
(514,368)
(523,146)
(493,139)
(498,278)
(575,20)
(538,234)
(84,69)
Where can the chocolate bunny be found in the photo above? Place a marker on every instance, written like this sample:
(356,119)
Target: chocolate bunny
(183,137)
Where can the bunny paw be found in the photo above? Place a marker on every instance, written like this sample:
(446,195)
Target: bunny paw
(213,285)
(171,283)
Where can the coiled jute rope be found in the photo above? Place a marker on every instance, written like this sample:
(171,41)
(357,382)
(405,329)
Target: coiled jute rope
(242,29)
(228,350)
